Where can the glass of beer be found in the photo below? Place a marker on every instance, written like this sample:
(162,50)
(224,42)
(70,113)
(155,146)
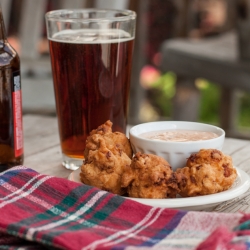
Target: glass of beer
(91,58)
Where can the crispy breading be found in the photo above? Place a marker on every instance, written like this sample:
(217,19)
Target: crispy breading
(106,156)
(112,138)
(150,176)
(207,172)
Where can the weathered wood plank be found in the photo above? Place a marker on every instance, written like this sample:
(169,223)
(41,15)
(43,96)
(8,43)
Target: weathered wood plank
(112,4)
(38,95)
(6,6)
(31,26)
(215,59)
(72,4)
(42,150)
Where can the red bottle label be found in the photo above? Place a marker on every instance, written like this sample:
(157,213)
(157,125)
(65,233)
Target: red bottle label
(17,114)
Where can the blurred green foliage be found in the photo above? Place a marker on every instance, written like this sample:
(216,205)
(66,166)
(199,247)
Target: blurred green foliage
(161,92)
(244,119)
(209,103)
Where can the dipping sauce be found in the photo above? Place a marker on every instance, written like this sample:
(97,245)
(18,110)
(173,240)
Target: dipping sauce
(179,135)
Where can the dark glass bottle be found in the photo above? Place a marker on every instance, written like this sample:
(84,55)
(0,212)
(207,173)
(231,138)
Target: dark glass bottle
(11,129)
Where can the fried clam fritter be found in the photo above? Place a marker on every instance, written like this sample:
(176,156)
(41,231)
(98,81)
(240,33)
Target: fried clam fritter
(207,172)
(106,156)
(111,138)
(150,176)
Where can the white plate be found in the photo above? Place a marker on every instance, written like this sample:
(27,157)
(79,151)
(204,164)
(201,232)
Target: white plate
(205,202)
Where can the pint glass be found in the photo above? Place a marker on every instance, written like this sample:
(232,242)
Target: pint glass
(91,58)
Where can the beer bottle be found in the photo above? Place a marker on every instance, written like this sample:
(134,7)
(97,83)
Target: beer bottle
(11,129)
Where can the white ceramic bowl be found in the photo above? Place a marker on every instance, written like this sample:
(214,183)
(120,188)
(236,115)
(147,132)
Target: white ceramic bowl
(176,153)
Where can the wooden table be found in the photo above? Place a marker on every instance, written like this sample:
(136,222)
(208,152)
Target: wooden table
(43,154)
(215,59)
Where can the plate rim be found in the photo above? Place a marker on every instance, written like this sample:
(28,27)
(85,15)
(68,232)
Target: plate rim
(185,202)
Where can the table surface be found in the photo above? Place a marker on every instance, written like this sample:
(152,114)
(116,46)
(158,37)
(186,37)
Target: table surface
(42,153)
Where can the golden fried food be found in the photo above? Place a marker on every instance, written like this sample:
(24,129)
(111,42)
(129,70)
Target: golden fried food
(105,159)
(150,176)
(112,138)
(207,172)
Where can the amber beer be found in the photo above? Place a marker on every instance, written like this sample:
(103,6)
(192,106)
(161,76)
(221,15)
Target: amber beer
(91,74)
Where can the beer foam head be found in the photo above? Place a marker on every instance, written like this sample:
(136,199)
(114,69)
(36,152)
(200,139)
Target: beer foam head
(91,36)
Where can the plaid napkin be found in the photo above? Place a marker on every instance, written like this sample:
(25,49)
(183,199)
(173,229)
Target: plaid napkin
(46,212)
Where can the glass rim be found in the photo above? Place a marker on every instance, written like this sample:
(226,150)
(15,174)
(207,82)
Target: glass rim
(56,15)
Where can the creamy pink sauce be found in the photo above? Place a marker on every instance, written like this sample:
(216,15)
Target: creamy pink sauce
(179,135)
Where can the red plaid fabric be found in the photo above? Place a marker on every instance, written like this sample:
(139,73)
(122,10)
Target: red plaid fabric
(39,212)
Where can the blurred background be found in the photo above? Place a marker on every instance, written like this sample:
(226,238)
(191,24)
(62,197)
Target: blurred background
(156,89)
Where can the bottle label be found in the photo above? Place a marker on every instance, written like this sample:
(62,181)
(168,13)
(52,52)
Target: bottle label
(17,114)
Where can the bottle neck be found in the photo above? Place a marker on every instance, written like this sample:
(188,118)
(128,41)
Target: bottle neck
(3,35)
